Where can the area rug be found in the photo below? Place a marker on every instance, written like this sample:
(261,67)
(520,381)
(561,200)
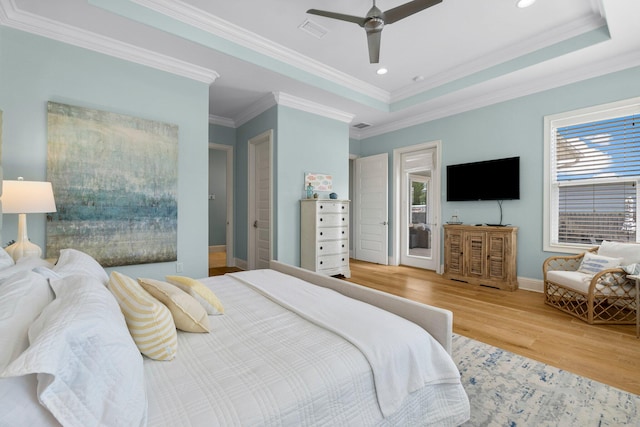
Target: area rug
(506,389)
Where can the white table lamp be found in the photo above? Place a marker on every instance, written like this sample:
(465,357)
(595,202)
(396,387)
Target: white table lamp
(23,197)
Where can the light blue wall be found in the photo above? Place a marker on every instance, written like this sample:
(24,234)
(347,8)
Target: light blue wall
(222,135)
(36,70)
(306,143)
(262,123)
(513,128)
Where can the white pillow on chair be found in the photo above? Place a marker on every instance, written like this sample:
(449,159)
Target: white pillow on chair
(629,252)
(592,263)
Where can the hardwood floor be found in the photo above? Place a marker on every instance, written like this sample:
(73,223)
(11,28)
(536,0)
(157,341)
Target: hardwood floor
(519,322)
(217,264)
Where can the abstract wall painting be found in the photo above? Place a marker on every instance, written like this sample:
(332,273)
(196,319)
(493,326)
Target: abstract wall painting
(115,181)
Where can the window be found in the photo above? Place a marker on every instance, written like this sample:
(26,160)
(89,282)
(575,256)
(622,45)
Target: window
(592,170)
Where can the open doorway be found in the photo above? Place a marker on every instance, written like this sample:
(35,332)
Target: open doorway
(221,252)
(417,206)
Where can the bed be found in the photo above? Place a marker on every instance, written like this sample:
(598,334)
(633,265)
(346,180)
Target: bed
(289,347)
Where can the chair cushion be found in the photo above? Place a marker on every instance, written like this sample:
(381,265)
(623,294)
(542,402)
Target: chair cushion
(629,252)
(578,281)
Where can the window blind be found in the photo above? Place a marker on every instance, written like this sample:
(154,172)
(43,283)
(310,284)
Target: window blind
(597,165)
(588,214)
(605,148)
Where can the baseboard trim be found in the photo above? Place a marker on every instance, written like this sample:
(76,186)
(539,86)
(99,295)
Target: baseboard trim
(528,284)
(241,264)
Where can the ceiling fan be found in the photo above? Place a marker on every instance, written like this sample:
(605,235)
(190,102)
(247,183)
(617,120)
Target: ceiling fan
(375,20)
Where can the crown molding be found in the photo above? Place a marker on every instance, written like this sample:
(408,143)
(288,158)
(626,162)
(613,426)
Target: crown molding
(212,24)
(257,108)
(221,121)
(516,50)
(11,16)
(291,101)
(603,67)
(284,99)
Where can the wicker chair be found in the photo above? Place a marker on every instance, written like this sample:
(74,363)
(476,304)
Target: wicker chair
(607,297)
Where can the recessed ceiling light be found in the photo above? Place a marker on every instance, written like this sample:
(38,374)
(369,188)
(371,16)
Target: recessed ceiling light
(382,71)
(418,79)
(524,3)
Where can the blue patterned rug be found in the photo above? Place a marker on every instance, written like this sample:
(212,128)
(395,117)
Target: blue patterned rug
(506,389)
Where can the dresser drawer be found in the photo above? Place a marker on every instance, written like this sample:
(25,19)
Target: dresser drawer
(332,247)
(333,261)
(333,233)
(332,220)
(332,207)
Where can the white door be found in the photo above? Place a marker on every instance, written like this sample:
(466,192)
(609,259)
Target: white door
(260,191)
(371,237)
(419,233)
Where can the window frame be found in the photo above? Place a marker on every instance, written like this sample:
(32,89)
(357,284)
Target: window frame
(550,202)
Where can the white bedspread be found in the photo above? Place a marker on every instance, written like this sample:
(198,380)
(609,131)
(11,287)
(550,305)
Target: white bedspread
(402,355)
(265,365)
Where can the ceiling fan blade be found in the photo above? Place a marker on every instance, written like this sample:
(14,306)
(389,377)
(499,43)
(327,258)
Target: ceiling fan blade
(373,41)
(407,9)
(342,17)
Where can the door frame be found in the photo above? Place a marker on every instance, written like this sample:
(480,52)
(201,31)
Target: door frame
(267,137)
(436,244)
(229,247)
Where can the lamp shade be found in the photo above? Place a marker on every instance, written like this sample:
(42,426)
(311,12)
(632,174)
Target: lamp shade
(27,197)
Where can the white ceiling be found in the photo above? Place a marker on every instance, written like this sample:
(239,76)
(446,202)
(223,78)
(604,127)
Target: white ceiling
(452,57)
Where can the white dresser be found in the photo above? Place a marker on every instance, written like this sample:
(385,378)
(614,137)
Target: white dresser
(324,236)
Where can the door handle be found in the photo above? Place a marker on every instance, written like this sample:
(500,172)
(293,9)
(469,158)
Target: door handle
(385,223)
(255,224)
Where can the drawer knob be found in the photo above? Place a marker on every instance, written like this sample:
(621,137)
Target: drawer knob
(320,219)
(321,262)
(320,247)
(321,233)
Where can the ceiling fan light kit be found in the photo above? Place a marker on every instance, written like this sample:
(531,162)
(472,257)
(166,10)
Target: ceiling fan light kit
(524,3)
(375,20)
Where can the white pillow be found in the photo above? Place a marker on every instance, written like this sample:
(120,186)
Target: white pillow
(73,261)
(27,263)
(89,369)
(5,259)
(22,298)
(19,404)
(592,263)
(629,252)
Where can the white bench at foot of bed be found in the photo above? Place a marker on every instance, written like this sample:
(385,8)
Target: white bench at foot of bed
(437,321)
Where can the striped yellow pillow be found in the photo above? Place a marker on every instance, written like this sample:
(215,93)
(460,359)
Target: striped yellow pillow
(149,321)
(199,291)
(188,314)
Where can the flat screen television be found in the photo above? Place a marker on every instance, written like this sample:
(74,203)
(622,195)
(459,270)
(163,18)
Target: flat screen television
(497,179)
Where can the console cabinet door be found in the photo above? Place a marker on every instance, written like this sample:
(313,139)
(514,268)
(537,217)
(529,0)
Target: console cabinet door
(476,254)
(453,256)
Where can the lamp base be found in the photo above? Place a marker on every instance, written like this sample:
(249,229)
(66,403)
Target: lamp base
(23,247)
